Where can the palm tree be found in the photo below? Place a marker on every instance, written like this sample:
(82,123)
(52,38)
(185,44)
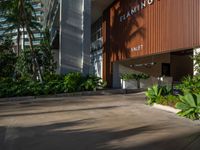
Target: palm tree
(29,22)
(20,15)
(9,11)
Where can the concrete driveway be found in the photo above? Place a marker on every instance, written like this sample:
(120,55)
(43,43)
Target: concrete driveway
(115,122)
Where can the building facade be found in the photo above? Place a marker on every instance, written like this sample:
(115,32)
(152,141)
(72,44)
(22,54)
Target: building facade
(96,55)
(70,28)
(156,37)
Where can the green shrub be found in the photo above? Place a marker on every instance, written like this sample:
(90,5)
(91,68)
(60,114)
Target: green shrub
(168,100)
(140,76)
(53,77)
(189,105)
(127,76)
(92,82)
(166,90)
(7,57)
(54,87)
(190,85)
(10,87)
(7,63)
(53,84)
(133,76)
(5,86)
(73,81)
(160,94)
(153,94)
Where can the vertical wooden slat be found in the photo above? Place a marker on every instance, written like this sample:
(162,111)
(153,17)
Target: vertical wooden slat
(170,25)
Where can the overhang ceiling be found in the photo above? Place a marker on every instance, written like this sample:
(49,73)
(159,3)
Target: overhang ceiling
(98,6)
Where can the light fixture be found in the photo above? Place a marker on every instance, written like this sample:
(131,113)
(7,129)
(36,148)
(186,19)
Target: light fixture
(148,65)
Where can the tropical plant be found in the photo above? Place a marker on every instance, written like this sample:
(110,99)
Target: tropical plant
(45,54)
(196,59)
(153,94)
(20,15)
(166,90)
(7,58)
(73,81)
(24,64)
(54,84)
(92,82)
(168,100)
(138,77)
(126,76)
(189,105)
(190,84)
(29,22)
(10,12)
(132,76)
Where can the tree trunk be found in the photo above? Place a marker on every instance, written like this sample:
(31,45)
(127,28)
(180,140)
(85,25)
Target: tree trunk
(18,41)
(23,37)
(35,61)
(26,23)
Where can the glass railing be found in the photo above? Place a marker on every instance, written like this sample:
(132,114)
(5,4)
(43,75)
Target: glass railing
(97,45)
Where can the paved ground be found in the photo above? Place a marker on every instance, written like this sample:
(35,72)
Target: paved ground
(117,122)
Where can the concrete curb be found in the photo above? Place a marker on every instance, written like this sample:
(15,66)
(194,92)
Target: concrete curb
(166,108)
(85,93)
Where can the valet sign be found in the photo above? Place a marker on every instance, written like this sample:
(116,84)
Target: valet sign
(140,6)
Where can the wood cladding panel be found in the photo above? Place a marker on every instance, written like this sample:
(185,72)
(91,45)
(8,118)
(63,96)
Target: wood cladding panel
(164,26)
(168,25)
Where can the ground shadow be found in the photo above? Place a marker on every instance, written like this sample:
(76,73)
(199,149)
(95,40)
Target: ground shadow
(63,136)
(59,111)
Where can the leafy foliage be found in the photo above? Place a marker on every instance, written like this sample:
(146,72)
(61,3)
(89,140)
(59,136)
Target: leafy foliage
(73,81)
(190,84)
(166,90)
(196,59)
(7,58)
(168,100)
(45,54)
(140,76)
(92,82)
(153,94)
(132,76)
(77,82)
(53,84)
(126,76)
(157,94)
(24,64)
(21,17)
(189,106)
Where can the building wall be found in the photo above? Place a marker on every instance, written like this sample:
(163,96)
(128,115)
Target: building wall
(158,27)
(153,71)
(178,69)
(75,36)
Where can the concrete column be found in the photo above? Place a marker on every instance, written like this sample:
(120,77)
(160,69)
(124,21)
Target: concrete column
(74,36)
(86,37)
(195,52)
